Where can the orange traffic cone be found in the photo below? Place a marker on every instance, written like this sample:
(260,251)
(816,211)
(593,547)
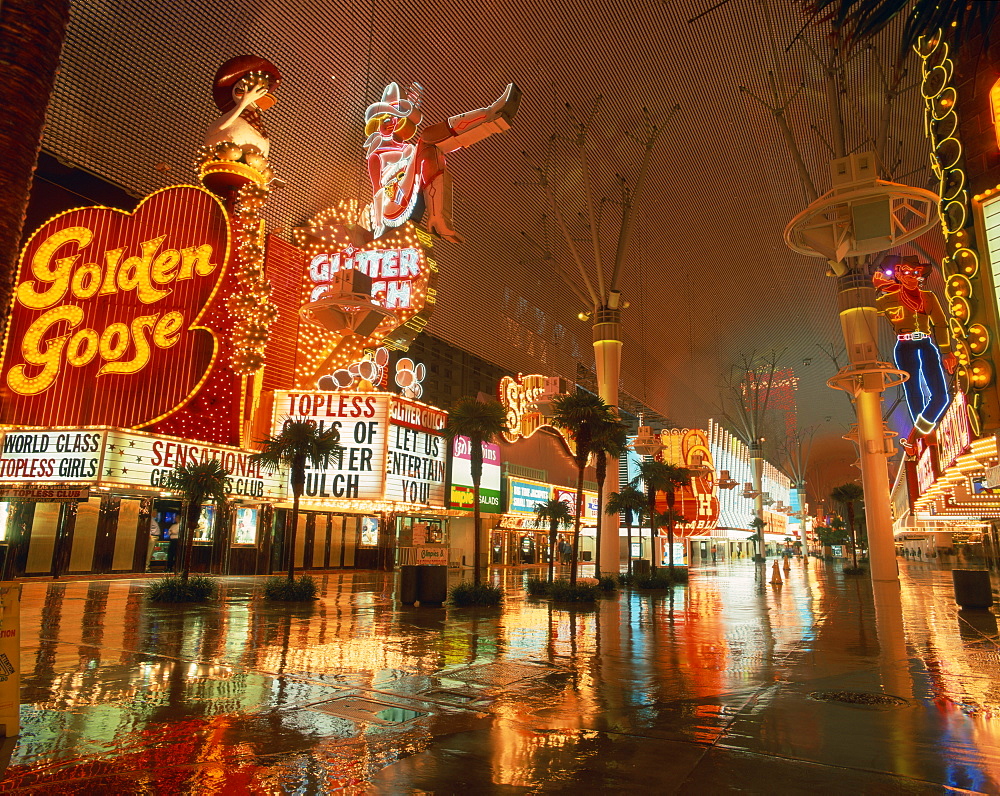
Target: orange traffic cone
(776,575)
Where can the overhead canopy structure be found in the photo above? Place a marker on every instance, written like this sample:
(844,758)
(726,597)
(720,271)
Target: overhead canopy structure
(709,276)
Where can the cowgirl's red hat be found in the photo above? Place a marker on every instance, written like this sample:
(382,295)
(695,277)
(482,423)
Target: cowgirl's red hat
(231,71)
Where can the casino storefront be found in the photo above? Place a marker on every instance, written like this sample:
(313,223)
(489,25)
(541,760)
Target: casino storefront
(385,498)
(949,481)
(516,539)
(141,340)
(99,500)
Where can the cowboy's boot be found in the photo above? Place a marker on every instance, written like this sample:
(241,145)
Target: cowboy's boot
(472,126)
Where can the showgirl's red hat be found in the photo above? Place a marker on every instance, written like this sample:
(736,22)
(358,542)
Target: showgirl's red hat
(232,70)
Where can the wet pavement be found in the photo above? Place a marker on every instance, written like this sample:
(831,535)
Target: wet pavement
(728,684)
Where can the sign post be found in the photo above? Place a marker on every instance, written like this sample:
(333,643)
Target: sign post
(10,658)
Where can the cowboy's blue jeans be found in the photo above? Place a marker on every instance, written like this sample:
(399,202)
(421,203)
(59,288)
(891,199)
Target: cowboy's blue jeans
(927,388)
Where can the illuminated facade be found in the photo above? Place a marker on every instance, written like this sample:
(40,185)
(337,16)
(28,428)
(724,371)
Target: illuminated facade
(736,506)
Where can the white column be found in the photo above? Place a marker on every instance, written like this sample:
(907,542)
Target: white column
(865,379)
(607,358)
(757,466)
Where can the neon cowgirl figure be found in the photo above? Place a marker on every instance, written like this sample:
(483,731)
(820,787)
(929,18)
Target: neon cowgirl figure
(408,170)
(922,340)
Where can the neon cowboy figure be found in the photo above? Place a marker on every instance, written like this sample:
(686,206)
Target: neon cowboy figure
(922,340)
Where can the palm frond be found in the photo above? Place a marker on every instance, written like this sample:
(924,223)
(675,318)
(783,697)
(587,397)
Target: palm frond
(629,500)
(485,421)
(848,493)
(858,21)
(552,510)
(660,477)
(300,440)
(201,482)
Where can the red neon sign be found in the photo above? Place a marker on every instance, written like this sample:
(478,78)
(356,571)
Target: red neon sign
(109,312)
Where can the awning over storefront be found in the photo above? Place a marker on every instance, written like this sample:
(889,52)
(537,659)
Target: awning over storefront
(74,463)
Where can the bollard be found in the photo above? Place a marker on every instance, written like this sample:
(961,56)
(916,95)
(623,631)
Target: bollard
(10,658)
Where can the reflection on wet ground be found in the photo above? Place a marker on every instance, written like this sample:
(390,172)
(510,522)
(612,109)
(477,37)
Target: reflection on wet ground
(708,688)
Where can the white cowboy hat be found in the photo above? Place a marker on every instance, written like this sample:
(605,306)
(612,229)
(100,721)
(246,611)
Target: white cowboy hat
(390,104)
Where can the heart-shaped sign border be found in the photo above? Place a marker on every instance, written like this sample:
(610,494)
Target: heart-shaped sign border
(122,296)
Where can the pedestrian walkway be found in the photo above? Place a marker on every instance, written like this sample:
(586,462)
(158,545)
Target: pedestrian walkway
(728,684)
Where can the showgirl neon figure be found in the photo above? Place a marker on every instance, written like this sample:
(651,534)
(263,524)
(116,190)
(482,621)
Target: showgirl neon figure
(922,340)
(409,175)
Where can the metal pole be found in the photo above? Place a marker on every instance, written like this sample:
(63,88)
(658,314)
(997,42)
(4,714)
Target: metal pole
(800,488)
(607,357)
(865,378)
(757,465)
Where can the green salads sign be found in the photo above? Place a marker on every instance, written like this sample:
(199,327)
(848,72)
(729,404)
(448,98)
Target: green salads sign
(460,496)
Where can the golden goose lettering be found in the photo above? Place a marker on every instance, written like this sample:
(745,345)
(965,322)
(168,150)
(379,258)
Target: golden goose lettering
(61,269)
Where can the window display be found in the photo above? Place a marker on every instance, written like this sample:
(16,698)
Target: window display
(246,526)
(369,531)
(205,530)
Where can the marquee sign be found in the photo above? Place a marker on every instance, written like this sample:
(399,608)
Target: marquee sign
(106,318)
(146,460)
(415,470)
(125,459)
(523,496)
(393,449)
(51,456)
(363,422)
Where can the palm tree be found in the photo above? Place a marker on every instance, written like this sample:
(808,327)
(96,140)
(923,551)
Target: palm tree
(583,415)
(860,20)
(198,483)
(676,477)
(660,477)
(847,495)
(627,502)
(31,39)
(758,536)
(832,534)
(610,441)
(299,444)
(555,513)
(483,422)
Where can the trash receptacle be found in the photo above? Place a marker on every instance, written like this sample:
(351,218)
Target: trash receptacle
(972,588)
(408,584)
(640,567)
(432,584)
